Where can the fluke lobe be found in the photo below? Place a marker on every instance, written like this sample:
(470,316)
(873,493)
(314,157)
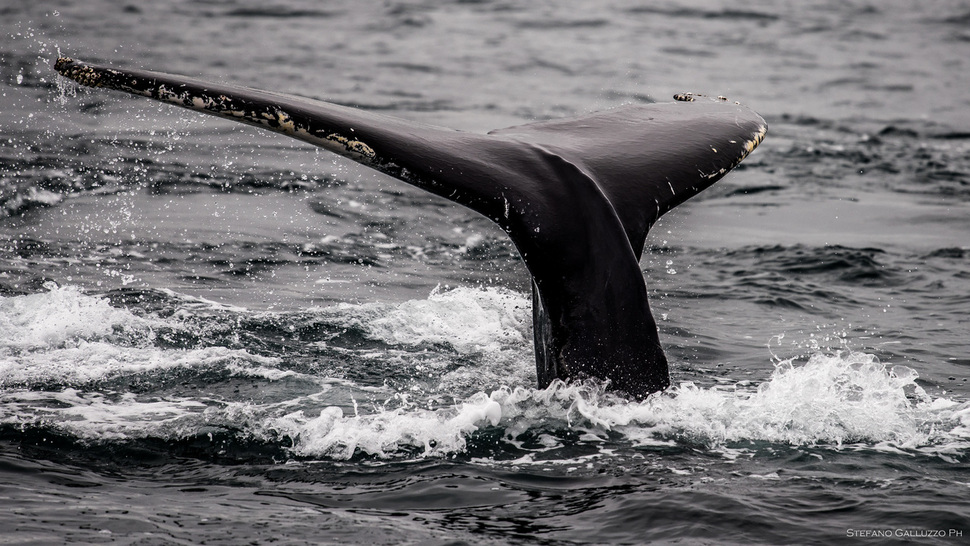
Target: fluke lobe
(576,196)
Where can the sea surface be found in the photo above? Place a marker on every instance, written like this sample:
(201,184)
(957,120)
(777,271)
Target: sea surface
(211,334)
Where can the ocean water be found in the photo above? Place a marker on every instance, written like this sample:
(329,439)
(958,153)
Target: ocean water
(212,334)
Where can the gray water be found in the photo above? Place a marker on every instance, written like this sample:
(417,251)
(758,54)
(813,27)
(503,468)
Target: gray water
(212,334)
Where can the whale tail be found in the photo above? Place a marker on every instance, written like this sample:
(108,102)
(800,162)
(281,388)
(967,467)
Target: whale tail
(576,196)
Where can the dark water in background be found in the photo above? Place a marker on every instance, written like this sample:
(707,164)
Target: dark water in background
(211,334)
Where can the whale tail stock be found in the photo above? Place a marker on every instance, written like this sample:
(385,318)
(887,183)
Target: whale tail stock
(576,196)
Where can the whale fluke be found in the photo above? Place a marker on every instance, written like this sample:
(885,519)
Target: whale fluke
(577,196)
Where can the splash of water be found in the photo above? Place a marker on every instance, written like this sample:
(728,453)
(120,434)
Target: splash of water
(831,401)
(56,318)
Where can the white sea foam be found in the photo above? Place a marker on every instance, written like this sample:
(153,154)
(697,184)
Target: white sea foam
(493,325)
(65,337)
(334,434)
(91,361)
(831,401)
(469,320)
(98,417)
(59,317)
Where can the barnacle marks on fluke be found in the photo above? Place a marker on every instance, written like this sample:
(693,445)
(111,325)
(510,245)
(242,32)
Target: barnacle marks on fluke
(102,76)
(82,74)
(270,111)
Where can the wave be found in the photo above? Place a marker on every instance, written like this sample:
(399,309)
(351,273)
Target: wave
(76,366)
(832,401)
